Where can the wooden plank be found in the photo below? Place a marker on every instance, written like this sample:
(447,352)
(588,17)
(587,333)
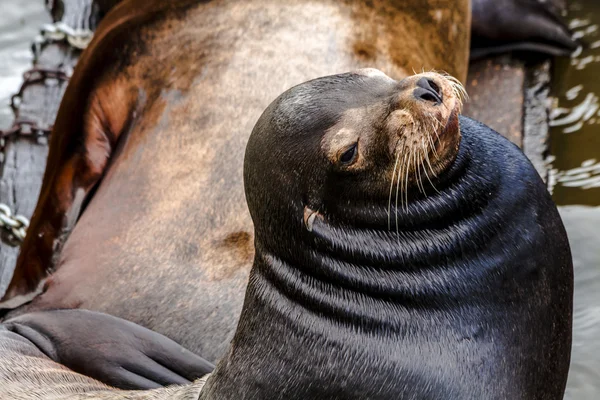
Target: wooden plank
(495,88)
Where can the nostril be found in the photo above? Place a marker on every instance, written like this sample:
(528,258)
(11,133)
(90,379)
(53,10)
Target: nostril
(428,90)
(426,95)
(435,87)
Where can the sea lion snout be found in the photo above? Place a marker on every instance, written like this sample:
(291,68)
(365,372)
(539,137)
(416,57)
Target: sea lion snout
(422,132)
(422,91)
(428,90)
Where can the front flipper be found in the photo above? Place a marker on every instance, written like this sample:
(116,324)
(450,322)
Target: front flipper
(519,25)
(111,350)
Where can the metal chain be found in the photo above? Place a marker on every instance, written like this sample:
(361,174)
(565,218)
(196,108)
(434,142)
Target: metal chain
(27,128)
(37,75)
(15,225)
(24,128)
(58,32)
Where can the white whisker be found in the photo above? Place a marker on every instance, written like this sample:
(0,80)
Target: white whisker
(392,187)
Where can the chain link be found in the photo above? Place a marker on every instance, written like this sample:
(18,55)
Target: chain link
(24,128)
(58,32)
(27,128)
(37,75)
(15,225)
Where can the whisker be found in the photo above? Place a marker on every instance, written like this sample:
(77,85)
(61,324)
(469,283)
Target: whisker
(418,174)
(418,177)
(432,144)
(392,188)
(406,181)
(430,167)
(397,190)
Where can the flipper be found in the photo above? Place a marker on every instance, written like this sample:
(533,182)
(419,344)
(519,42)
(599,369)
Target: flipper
(111,350)
(500,26)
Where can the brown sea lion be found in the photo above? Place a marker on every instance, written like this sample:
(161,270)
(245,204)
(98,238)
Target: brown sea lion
(402,252)
(154,124)
(500,26)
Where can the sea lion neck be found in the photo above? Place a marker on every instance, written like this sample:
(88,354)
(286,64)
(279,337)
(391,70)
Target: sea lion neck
(353,252)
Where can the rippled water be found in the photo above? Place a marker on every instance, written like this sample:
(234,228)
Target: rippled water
(575,150)
(575,119)
(575,183)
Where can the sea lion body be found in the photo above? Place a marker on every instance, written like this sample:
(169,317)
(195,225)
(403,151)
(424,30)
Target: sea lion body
(464,291)
(156,129)
(500,26)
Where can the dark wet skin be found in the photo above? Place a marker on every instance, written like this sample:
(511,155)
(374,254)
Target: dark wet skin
(468,295)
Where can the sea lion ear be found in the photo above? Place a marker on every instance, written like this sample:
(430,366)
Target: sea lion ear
(309,218)
(500,26)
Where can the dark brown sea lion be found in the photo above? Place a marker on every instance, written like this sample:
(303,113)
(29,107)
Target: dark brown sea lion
(402,252)
(155,127)
(461,291)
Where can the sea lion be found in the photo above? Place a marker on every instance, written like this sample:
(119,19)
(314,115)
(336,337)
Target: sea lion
(504,25)
(412,254)
(461,291)
(153,133)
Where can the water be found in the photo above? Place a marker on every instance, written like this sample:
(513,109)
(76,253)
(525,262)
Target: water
(575,184)
(575,151)
(575,177)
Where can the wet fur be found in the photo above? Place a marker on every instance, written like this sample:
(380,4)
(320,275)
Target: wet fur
(471,299)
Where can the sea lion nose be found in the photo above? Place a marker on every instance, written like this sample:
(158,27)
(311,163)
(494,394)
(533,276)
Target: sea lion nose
(428,90)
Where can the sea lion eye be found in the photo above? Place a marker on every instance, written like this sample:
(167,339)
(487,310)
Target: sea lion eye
(349,155)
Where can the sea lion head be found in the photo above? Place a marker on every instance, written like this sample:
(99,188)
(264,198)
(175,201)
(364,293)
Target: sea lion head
(360,140)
